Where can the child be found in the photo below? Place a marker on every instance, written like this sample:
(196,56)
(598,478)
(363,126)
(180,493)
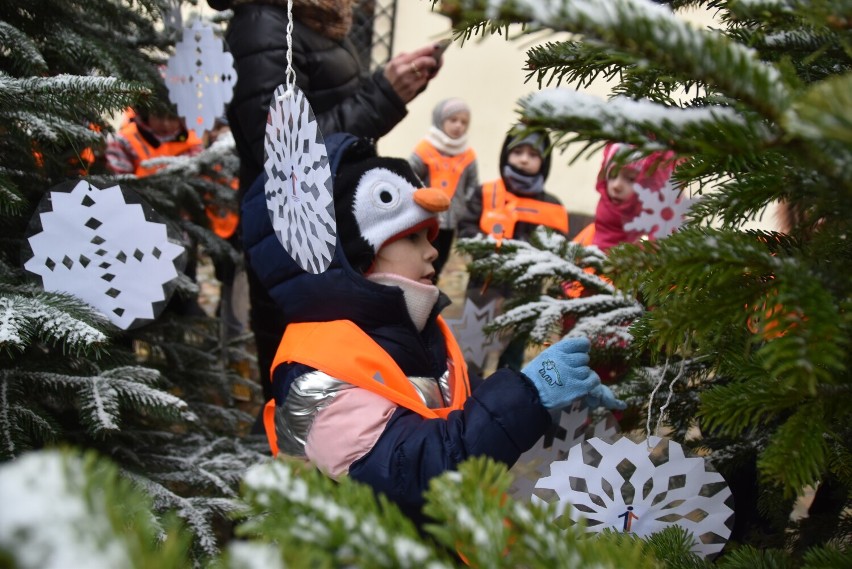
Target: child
(368,380)
(149,133)
(619,204)
(514,204)
(443,160)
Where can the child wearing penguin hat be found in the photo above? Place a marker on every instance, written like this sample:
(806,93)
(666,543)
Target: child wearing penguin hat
(368,380)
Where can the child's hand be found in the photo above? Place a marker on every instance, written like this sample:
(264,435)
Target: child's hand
(561,374)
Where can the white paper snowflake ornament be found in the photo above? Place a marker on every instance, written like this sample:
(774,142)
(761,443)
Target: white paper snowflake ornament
(172,16)
(575,425)
(299,186)
(200,77)
(106,247)
(663,210)
(476,345)
(622,486)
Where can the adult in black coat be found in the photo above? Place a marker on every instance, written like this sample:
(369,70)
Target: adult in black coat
(344,98)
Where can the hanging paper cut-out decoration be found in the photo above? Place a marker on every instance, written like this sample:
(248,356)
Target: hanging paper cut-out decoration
(663,210)
(298,188)
(200,77)
(105,247)
(172,15)
(574,426)
(476,345)
(622,486)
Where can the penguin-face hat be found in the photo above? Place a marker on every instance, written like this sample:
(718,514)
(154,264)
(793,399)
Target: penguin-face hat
(378,200)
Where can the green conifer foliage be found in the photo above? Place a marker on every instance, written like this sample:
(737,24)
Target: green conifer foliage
(757,321)
(156,399)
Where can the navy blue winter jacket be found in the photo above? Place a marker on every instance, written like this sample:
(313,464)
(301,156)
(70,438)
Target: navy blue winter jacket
(502,418)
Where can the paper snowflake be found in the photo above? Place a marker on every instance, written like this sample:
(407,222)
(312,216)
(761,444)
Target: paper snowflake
(172,15)
(574,426)
(662,213)
(298,188)
(200,77)
(100,246)
(624,487)
(474,342)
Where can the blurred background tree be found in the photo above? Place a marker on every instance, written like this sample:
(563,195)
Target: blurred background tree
(158,399)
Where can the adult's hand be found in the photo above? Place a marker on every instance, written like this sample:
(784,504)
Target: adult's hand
(409,73)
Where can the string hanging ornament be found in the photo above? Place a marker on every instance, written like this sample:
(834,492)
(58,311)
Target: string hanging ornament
(640,487)
(106,246)
(298,188)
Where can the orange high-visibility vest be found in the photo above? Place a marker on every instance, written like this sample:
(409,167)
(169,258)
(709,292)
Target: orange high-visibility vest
(144,150)
(502,210)
(223,221)
(344,351)
(586,235)
(444,171)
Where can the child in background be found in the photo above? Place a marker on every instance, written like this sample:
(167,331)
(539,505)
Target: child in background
(619,204)
(444,160)
(368,379)
(513,206)
(149,133)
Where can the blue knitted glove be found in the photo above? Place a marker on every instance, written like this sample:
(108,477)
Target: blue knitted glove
(561,373)
(602,396)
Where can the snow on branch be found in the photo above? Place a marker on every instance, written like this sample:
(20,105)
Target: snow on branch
(625,119)
(54,318)
(650,31)
(69,92)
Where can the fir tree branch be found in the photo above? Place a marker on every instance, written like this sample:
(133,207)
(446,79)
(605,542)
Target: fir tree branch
(790,463)
(11,200)
(27,59)
(584,117)
(64,93)
(822,112)
(56,319)
(301,509)
(653,33)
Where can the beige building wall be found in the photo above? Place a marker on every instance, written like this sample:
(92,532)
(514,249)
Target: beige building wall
(487,71)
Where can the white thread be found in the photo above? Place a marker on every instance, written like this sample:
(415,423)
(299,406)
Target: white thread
(290,75)
(669,398)
(650,404)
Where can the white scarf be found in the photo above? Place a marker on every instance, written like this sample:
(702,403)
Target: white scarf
(446,145)
(420,298)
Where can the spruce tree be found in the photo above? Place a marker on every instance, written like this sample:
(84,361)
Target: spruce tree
(755,324)
(156,399)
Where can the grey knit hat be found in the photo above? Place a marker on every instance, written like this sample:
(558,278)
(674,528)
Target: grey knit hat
(446,109)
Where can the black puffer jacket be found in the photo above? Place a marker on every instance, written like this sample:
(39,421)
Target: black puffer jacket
(343,98)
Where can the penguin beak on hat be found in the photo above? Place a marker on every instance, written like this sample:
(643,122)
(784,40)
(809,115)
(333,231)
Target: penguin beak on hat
(432,199)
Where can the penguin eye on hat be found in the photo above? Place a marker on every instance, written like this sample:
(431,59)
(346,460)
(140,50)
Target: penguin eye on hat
(385,195)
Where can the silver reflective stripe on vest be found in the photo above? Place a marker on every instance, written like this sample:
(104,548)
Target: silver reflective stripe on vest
(315,390)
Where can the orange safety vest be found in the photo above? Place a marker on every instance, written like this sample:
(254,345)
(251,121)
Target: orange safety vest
(223,221)
(342,350)
(444,171)
(573,289)
(145,151)
(501,210)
